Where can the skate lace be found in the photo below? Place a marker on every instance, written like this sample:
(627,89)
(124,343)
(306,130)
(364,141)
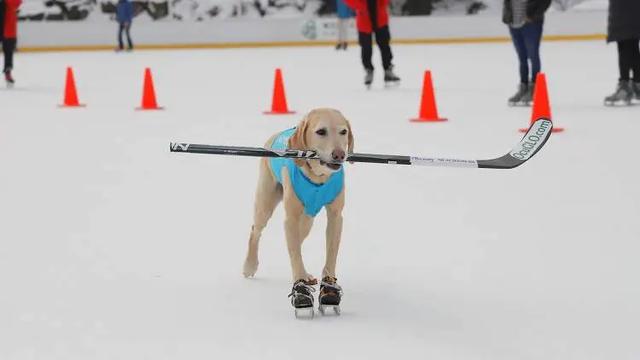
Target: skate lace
(294,291)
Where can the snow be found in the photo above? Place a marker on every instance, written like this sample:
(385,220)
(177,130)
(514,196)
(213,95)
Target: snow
(113,248)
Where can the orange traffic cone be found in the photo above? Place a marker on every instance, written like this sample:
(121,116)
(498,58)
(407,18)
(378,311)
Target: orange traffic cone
(428,109)
(279,101)
(70,93)
(148,93)
(541,104)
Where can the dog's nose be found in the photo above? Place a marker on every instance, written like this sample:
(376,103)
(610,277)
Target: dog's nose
(338,155)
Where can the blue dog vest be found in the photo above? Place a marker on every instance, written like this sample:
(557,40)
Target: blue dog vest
(313,196)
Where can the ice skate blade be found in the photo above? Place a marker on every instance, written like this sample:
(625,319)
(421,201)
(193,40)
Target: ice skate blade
(304,313)
(617,103)
(391,84)
(323,309)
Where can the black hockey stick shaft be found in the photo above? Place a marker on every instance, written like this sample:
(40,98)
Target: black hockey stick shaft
(531,143)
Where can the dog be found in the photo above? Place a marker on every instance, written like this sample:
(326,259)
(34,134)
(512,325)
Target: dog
(305,186)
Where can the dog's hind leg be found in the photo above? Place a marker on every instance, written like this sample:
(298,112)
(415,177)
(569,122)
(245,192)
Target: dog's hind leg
(268,195)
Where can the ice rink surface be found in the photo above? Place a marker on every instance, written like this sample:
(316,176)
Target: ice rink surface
(113,248)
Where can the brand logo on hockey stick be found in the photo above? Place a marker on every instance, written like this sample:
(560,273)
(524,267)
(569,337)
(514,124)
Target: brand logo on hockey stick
(415,160)
(534,138)
(295,153)
(179,147)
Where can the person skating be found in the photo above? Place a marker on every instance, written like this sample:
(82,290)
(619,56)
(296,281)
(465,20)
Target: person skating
(624,29)
(9,35)
(124,16)
(344,14)
(372,18)
(525,19)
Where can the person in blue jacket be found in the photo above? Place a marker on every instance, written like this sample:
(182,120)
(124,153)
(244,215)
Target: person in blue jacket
(344,14)
(124,16)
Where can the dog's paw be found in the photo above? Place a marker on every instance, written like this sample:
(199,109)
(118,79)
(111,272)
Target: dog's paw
(310,279)
(250,268)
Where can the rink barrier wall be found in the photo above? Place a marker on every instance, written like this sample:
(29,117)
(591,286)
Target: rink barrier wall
(271,44)
(100,34)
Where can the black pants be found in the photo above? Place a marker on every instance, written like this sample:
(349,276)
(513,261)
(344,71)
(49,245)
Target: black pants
(526,40)
(629,59)
(124,27)
(8,48)
(366,47)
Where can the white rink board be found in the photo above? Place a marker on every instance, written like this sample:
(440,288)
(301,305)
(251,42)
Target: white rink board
(144,31)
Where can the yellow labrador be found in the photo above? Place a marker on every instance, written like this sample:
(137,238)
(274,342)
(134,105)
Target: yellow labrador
(306,186)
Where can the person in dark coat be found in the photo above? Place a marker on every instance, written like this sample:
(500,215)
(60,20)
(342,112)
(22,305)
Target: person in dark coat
(9,35)
(124,16)
(372,17)
(525,19)
(624,29)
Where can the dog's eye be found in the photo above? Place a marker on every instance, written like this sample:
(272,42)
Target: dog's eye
(343,132)
(321,132)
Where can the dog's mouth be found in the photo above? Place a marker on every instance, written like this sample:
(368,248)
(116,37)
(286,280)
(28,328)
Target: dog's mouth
(332,166)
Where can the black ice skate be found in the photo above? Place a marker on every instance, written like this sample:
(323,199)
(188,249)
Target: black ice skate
(623,94)
(368,78)
(519,98)
(302,298)
(390,78)
(9,79)
(330,295)
(636,89)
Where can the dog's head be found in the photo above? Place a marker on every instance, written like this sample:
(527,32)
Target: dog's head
(327,132)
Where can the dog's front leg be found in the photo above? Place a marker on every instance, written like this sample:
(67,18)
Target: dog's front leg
(296,228)
(334,235)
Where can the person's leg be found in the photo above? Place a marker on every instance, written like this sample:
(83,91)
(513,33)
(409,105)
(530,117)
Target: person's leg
(120,30)
(8,48)
(128,32)
(3,52)
(625,59)
(366,49)
(532,36)
(518,42)
(342,30)
(383,37)
(635,59)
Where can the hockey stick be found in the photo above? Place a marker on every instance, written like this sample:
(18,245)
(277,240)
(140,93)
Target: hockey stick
(531,143)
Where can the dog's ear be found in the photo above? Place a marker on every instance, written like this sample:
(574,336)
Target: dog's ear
(298,139)
(350,136)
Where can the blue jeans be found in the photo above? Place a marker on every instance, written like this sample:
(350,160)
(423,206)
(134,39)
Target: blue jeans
(527,43)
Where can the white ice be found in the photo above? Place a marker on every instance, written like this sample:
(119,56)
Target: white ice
(113,248)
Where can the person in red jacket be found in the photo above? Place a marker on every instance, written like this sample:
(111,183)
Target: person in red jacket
(9,34)
(372,17)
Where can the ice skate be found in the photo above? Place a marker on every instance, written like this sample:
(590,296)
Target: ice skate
(368,78)
(9,79)
(330,295)
(527,99)
(517,98)
(636,89)
(302,298)
(623,94)
(390,78)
